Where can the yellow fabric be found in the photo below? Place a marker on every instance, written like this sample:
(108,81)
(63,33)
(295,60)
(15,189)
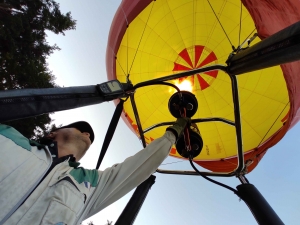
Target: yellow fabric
(165,37)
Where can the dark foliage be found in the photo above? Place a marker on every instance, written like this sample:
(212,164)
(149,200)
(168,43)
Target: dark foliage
(24,50)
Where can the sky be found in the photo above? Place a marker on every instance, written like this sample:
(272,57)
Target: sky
(173,199)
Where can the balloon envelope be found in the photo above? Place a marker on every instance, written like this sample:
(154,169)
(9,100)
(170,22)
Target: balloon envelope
(152,39)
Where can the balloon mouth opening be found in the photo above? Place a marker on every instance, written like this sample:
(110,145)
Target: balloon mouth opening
(185,85)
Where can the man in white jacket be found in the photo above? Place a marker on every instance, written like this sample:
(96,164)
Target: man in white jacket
(42,183)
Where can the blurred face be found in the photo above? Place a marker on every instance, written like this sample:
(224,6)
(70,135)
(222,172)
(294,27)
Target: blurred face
(83,137)
(78,142)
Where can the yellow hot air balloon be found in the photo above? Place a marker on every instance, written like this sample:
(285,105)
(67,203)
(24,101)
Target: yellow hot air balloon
(153,39)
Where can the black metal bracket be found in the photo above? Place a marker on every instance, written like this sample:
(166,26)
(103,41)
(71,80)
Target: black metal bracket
(237,123)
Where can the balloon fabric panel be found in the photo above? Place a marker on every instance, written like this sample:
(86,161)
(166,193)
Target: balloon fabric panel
(166,37)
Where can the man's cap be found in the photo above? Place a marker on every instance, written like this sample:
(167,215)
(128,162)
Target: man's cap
(83,127)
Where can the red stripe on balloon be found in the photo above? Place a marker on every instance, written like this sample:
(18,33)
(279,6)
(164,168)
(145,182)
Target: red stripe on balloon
(212,73)
(179,67)
(210,58)
(202,82)
(185,55)
(198,52)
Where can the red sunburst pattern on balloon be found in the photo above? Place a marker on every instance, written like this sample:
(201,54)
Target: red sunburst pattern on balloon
(195,57)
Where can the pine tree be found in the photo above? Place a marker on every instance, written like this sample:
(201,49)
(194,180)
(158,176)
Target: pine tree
(24,50)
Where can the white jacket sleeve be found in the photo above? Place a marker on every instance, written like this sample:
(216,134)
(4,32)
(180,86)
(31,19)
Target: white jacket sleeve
(118,180)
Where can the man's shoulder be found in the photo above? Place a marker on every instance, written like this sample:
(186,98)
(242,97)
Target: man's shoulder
(15,136)
(81,175)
